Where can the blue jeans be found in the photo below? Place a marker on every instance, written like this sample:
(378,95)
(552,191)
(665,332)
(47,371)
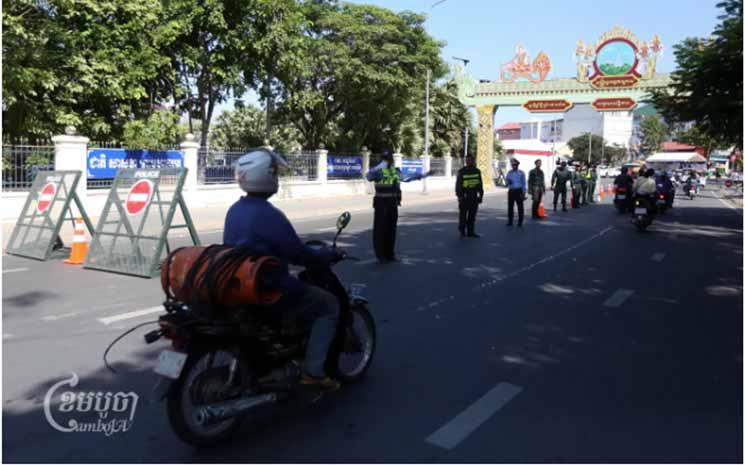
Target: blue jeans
(320,308)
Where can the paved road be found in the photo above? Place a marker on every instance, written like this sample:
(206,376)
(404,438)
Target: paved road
(576,339)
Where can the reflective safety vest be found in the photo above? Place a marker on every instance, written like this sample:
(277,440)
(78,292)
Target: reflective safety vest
(387,185)
(471,181)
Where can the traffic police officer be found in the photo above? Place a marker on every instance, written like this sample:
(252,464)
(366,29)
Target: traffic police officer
(470,193)
(387,179)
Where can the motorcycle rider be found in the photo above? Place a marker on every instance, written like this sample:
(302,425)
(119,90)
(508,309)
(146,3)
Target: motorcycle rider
(666,187)
(625,181)
(254,223)
(645,187)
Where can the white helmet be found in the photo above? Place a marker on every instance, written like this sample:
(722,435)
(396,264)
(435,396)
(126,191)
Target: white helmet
(256,171)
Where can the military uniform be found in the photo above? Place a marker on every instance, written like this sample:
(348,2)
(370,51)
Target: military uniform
(591,183)
(470,191)
(578,186)
(559,184)
(386,202)
(536,187)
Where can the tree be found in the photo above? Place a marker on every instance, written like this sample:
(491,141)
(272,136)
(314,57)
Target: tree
(601,152)
(697,137)
(245,127)
(653,133)
(707,86)
(362,67)
(160,131)
(94,64)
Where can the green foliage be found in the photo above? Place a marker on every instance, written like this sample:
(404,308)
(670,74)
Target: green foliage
(697,137)
(245,127)
(707,86)
(159,131)
(364,72)
(654,132)
(90,63)
(601,152)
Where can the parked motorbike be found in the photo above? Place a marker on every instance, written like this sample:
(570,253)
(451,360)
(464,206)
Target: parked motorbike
(644,211)
(621,199)
(218,370)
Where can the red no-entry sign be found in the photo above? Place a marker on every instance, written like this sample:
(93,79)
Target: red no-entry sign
(138,197)
(46,196)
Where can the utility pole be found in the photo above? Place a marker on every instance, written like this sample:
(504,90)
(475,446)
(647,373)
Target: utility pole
(426,108)
(589,156)
(468,127)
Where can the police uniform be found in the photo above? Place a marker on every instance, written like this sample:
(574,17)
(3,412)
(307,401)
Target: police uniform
(386,202)
(470,191)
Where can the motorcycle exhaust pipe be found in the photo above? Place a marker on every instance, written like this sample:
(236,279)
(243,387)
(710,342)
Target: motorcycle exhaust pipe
(221,411)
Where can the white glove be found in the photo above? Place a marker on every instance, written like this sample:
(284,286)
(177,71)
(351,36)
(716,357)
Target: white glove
(383,164)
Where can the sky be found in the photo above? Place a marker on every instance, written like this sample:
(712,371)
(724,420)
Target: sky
(486,31)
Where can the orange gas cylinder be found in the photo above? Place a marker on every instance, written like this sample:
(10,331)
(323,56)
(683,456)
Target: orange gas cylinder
(234,280)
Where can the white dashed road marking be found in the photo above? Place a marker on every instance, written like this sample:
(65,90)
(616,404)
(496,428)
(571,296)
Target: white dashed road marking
(658,257)
(468,421)
(58,317)
(130,315)
(618,298)
(15,270)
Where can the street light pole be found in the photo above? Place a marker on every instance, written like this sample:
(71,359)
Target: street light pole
(468,127)
(426,107)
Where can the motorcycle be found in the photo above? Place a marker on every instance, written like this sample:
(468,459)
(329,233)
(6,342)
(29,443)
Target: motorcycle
(644,211)
(690,188)
(621,199)
(219,370)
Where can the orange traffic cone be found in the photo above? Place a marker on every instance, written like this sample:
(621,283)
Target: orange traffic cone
(79,244)
(542,211)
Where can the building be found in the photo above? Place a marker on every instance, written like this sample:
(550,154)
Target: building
(509,131)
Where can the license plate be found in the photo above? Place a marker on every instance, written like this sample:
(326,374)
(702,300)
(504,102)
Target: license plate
(170,364)
(621,197)
(640,211)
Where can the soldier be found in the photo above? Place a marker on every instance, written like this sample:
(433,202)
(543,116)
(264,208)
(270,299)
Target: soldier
(559,185)
(590,179)
(536,186)
(470,193)
(577,182)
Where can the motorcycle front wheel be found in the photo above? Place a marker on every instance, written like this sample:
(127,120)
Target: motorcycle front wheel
(204,380)
(357,347)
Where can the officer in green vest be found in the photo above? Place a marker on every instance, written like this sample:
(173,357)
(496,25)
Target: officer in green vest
(593,180)
(470,192)
(387,179)
(579,186)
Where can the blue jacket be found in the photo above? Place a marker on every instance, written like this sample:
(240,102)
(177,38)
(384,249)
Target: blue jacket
(256,224)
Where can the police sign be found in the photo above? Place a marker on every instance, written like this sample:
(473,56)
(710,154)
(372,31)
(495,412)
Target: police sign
(104,163)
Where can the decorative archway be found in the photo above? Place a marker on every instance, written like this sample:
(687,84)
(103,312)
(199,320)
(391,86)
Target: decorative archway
(613,74)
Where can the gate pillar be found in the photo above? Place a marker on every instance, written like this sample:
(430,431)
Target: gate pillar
(485,145)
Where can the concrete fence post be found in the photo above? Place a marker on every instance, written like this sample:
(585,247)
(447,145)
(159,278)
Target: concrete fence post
(426,164)
(398,160)
(448,166)
(71,153)
(190,148)
(322,166)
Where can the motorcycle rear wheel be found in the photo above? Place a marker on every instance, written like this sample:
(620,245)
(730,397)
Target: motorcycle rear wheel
(192,389)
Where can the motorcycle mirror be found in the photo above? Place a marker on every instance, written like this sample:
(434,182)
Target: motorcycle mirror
(343,221)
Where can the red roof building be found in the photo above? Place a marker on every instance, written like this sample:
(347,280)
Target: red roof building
(509,131)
